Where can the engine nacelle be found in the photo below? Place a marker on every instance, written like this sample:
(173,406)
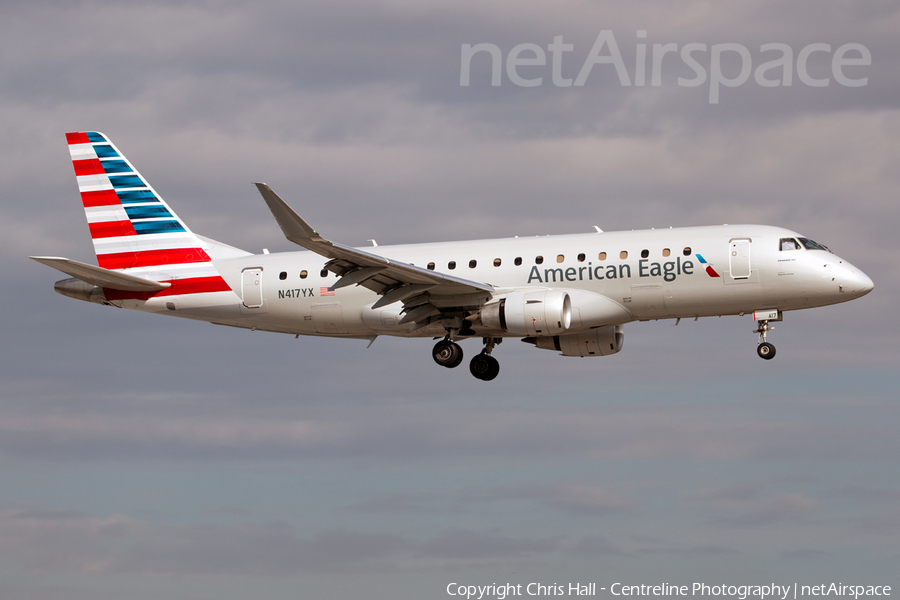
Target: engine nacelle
(534,313)
(597,342)
(590,311)
(552,312)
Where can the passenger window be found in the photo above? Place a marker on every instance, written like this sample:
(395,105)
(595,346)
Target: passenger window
(666,252)
(581,257)
(645,253)
(560,258)
(303,274)
(430,266)
(518,261)
(623,254)
(283,275)
(451,265)
(323,273)
(602,256)
(472,264)
(538,260)
(686,251)
(497,262)
(789,244)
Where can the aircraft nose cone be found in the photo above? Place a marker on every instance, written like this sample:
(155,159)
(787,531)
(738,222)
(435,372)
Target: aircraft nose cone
(858,283)
(865,284)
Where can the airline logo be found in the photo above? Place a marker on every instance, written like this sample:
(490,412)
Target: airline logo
(668,271)
(709,270)
(132,227)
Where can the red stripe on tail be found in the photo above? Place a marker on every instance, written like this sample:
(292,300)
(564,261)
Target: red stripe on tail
(88,166)
(193,285)
(107,229)
(99,198)
(152,258)
(78,137)
(196,285)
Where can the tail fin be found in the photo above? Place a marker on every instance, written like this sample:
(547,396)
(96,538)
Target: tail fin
(132,227)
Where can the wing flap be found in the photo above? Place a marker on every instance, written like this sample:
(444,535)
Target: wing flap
(358,276)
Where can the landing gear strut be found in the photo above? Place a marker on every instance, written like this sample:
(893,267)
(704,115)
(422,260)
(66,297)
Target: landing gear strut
(764,349)
(484,366)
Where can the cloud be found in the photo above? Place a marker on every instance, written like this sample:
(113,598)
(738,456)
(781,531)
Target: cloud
(87,545)
(745,505)
(578,498)
(469,545)
(858,493)
(254,550)
(409,432)
(46,540)
(595,545)
(806,554)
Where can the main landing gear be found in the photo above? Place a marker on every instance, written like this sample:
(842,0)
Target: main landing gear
(764,349)
(483,366)
(447,353)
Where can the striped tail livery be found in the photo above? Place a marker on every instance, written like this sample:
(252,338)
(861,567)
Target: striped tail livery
(143,249)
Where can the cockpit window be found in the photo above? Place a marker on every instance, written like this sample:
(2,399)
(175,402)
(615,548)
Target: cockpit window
(789,244)
(811,245)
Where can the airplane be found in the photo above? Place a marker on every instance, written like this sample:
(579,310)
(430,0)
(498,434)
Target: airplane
(568,293)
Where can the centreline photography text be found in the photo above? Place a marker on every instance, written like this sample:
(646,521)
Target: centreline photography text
(500,591)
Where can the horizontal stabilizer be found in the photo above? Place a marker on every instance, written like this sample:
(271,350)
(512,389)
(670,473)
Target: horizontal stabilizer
(99,276)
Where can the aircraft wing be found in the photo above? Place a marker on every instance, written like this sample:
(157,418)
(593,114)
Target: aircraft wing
(424,291)
(99,276)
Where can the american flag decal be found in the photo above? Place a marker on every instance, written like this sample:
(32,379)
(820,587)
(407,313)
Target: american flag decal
(326,291)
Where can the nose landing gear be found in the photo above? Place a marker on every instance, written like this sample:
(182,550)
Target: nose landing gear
(765,350)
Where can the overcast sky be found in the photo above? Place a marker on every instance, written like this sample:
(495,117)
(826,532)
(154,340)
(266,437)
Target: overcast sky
(145,458)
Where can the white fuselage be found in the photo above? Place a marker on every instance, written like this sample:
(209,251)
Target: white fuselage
(651,274)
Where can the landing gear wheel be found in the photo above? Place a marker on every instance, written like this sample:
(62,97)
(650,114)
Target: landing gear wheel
(447,354)
(766,351)
(484,367)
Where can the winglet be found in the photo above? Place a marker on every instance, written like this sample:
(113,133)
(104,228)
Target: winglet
(294,227)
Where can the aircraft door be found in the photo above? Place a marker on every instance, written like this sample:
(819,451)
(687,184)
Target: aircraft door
(251,288)
(739,258)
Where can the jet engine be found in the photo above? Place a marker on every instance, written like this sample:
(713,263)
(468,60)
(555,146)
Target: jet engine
(552,312)
(538,312)
(597,342)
